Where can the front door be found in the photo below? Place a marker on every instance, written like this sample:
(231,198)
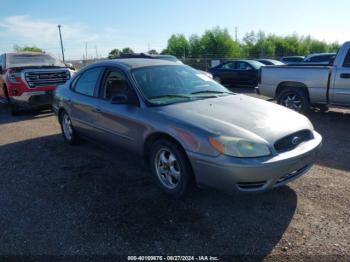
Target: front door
(119,124)
(340,93)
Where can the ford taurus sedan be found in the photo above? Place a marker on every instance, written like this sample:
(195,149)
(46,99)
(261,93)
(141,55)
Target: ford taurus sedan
(192,130)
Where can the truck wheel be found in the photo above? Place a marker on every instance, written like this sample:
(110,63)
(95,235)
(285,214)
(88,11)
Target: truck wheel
(294,98)
(171,168)
(68,131)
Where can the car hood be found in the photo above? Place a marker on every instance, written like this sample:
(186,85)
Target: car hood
(239,116)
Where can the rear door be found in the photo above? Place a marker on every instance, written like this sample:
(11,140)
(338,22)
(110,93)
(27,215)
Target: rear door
(84,101)
(340,93)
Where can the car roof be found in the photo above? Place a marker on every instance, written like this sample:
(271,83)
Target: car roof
(295,56)
(132,63)
(239,60)
(320,54)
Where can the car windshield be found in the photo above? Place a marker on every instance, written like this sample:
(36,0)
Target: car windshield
(25,60)
(163,85)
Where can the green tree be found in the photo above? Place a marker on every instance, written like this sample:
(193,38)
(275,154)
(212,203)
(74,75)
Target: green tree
(27,49)
(178,46)
(114,54)
(127,50)
(196,46)
(217,43)
(153,52)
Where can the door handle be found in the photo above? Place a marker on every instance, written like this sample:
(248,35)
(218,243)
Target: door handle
(346,76)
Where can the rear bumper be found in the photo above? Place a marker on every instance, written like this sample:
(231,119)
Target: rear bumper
(254,175)
(257,90)
(33,99)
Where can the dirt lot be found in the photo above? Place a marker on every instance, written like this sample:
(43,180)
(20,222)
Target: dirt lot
(62,200)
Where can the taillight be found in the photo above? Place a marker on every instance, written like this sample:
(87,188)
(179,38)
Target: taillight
(259,76)
(12,76)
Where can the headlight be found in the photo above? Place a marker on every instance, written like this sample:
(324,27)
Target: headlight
(238,147)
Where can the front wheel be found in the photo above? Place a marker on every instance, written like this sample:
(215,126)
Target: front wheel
(170,168)
(68,131)
(295,99)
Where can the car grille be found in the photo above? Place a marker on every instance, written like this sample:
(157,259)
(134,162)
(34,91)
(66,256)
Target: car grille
(251,185)
(46,78)
(293,140)
(291,175)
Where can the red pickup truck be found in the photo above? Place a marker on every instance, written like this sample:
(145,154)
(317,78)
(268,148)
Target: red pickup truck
(27,80)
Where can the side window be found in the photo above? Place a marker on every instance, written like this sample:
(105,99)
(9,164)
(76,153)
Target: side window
(347,60)
(2,60)
(228,66)
(115,84)
(243,66)
(86,83)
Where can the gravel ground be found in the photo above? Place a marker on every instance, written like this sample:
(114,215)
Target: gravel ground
(61,200)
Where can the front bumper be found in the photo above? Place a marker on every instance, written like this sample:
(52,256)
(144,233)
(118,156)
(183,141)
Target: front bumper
(33,99)
(255,174)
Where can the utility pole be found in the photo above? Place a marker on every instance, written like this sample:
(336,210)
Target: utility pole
(96,52)
(59,30)
(236,34)
(86,54)
(149,46)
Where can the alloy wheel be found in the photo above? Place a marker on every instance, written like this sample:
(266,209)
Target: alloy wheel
(67,127)
(167,168)
(292,101)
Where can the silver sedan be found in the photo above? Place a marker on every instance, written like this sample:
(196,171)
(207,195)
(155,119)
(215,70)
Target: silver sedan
(191,130)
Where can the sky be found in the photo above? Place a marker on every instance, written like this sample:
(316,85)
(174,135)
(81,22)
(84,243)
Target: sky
(143,24)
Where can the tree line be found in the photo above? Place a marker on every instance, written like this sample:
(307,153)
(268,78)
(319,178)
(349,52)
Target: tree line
(218,43)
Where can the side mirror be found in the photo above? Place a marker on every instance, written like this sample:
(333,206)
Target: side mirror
(121,99)
(331,61)
(70,66)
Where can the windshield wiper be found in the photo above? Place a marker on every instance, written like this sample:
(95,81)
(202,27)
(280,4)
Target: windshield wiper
(170,95)
(211,91)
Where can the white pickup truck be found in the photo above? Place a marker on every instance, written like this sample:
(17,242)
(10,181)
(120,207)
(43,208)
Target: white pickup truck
(303,87)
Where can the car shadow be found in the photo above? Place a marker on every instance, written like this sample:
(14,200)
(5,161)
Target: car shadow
(334,126)
(6,117)
(58,199)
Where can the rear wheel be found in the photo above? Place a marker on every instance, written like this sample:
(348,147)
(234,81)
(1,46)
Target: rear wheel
(68,131)
(294,98)
(170,168)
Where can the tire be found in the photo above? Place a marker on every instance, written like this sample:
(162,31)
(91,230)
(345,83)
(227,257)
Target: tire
(294,98)
(171,168)
(68,132)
